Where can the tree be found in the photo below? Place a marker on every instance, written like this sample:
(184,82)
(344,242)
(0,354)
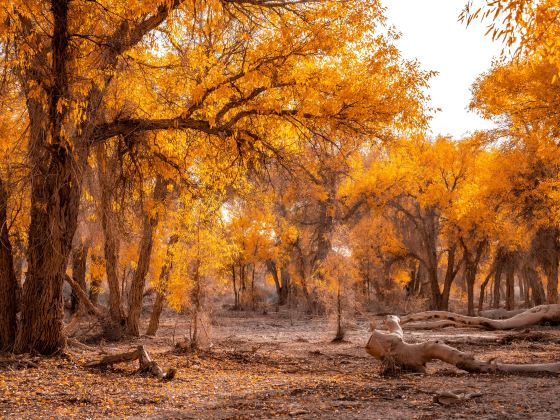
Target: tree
(79,66)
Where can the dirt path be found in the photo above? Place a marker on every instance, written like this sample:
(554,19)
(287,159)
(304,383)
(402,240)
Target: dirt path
(270,367)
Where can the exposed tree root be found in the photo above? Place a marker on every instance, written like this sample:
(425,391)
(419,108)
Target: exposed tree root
(390,348)
(147,365)
(23,361)
(537,315)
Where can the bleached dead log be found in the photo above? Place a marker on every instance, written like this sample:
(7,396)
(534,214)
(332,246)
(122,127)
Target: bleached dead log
(537,315)
(392,350)
(500,313)
(433,325)
(147,365)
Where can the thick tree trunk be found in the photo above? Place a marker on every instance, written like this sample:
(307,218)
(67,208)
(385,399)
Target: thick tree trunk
(394,352)
(8,283)
(552,280)
(135,298)
(546,248)
(55,196)
(536,315)
(535,285)
(161,288)
(54,212)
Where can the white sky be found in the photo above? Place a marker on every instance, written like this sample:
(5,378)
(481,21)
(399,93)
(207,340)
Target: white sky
(432,34)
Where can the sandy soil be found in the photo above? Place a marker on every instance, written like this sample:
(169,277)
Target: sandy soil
(271,366)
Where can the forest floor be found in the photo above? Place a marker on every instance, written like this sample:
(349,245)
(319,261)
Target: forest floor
(271,366)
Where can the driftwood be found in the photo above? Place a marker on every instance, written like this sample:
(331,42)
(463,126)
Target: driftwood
(537,315)
(147,365)
(433,325)
(500,313)
(393,351)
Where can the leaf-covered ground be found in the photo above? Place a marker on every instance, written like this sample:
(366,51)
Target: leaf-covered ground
(271,366)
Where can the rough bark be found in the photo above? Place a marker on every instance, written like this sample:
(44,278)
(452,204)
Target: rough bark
(55,197)
(533,316)
(146,364)
(394,352)
(8,282)
(58,150)
(135,298)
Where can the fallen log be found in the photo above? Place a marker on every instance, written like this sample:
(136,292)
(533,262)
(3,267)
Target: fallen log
(500,313)
(433,325)
(147,365)
(391,349)
(537,315)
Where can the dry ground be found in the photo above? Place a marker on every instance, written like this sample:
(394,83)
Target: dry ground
(271,366)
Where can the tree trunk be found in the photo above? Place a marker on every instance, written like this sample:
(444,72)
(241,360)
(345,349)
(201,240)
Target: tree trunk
(55,197)
(510,283)
(135,298)
(111,243)
(534,285)
(161,288)
(8,282)
(273,270)
(546,249)
(19,260)
(436,301)
(235,288)
(483,290)
(79,262)
(497,280)
(285,281)
(471,270)
(552,280)
(54,211)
